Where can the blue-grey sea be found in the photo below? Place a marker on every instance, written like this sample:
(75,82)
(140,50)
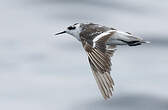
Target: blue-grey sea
(39,72)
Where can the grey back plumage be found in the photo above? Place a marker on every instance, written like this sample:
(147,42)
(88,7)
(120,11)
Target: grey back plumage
(90,31)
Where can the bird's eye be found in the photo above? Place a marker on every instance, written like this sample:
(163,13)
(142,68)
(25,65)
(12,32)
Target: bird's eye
(71,27)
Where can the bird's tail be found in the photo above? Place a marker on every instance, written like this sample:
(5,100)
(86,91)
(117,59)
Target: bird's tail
(135,42)
(128,38)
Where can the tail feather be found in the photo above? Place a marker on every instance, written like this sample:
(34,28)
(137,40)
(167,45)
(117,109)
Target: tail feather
(128,38)
(135,42)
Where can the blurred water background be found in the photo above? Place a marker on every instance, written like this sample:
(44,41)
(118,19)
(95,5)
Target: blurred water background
(38,72)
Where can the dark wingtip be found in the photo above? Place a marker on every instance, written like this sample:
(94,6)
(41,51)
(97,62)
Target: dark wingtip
(135,43)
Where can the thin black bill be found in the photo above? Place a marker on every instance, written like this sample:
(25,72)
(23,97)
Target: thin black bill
(60,33)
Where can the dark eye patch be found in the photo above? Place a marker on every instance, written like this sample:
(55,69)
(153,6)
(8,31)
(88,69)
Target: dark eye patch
(71,27)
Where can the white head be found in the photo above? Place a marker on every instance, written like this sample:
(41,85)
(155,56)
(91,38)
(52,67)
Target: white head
(73,30)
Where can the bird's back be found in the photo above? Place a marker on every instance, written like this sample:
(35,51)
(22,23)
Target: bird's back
(90,31)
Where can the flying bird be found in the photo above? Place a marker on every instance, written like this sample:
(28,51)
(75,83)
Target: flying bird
(100,43)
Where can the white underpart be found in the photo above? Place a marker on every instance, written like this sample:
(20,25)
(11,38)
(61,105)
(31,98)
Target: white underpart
(117,38)
(101,35)
(75,32)
(120,35)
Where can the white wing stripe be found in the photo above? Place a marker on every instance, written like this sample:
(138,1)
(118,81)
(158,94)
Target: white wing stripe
(100,36)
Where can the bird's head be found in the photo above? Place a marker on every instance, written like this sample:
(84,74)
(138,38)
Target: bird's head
(73,30)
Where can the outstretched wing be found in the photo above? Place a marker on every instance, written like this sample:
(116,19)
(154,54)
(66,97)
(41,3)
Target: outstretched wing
(99,58)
